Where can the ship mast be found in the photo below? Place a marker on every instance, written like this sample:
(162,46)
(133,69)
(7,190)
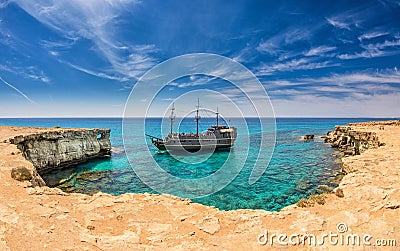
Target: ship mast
(172,116)
(197,118)
(217,113)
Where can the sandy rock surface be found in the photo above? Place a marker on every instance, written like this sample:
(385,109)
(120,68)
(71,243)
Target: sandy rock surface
(43,218)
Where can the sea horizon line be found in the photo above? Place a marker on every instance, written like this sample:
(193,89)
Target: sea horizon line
(233,117)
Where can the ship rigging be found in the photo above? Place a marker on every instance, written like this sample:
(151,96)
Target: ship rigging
(214,138)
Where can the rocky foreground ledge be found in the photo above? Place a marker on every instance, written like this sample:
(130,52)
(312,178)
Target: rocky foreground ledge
(57,149)
(42,218)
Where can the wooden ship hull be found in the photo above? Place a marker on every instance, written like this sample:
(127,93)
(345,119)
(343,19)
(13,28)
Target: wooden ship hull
(192,144)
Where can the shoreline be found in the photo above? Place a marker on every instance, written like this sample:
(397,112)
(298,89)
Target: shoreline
(371,204)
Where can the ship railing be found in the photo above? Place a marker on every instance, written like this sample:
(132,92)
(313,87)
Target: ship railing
(153,137)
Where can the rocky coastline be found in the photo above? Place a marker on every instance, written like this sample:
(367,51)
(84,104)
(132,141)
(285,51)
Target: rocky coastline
(350,142)
(367,201)
(58,149)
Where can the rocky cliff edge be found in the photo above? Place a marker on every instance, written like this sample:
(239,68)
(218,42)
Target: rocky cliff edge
(57,149)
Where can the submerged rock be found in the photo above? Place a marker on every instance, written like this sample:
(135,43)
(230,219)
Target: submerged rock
(324,189)
(78,183)
(92,175)
(67,185)
(73,175)
(303,185)
(73,189)
(280,200)
(310,202)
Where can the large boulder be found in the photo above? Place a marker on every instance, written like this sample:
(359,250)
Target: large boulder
(21,173)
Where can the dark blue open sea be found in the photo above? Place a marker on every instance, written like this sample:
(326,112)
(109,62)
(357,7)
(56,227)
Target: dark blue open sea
(296,170)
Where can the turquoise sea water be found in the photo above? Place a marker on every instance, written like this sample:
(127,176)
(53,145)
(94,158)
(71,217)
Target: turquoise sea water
(296,170)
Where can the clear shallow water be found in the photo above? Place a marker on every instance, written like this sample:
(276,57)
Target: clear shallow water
(296,169)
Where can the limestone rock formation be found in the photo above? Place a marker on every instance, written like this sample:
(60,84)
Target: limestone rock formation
(351,142)
(62,148)
(21,173)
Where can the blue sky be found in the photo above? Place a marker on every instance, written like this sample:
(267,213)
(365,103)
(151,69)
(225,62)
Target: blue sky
(314,58)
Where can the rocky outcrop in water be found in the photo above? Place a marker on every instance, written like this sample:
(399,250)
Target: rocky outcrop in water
(61,148)
(308,137)
(351,142)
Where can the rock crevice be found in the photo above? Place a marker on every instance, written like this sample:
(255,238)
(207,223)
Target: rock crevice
(62,148)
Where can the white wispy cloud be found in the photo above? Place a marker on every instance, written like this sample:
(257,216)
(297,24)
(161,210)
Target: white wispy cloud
(297,34)
(389,4)
(363,54)
(357,104)
(352,18)
(385,77)
(270,46)
(194,81)
(292,65)
(93,20)
(33,73)
(338,23)
(245,54)
(356,85)
(94,73)
(54,45)
(3,4)
(371,35)
(187,84)
(53,53)
(17,90)
(317,51)
(373,50)
(274,44)
(381,46)
(367,80)
(281,44)
(29,72)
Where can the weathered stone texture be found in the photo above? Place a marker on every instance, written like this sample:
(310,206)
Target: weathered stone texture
(59,149)
(351,142)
